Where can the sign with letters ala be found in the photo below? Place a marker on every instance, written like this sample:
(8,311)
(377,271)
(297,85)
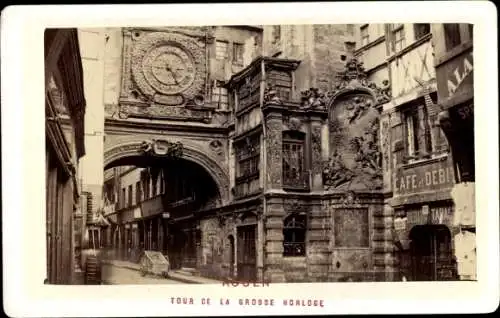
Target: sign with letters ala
(455,76)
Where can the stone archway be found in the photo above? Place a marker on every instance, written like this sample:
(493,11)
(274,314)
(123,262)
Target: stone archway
(134,149)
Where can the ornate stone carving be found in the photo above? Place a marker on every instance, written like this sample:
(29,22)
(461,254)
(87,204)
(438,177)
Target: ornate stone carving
(357,107)
(384,133)
(349,199)
(271,95)
(162,148)
(295,206)
(335,173)
(294,123)
(354,132)
(153,60)
(354,76)
(274,148)
(314,98)
(173,113)
(316,150)
(217,147)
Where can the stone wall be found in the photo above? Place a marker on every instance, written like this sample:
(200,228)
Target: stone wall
(329,46)
(360,256)
(215,247)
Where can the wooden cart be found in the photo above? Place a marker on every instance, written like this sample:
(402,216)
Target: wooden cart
(155,263)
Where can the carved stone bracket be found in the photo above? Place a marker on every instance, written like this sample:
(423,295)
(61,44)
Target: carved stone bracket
(294,123)
(295,207)
(314,98)
(217,147)
(162,148)
(271,95)
(350,199)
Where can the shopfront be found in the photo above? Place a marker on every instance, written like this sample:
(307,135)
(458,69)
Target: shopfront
(424,220)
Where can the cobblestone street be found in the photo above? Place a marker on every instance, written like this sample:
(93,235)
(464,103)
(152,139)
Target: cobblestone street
(114,275)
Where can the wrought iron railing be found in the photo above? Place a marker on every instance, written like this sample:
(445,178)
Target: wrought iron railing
(296,181)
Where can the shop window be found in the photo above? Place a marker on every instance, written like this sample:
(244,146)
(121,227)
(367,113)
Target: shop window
(238,53)
(399,38)
(365,37)
(421,30)
(294,174)
(219,96)
(294,235)
(221,50)
(451,35)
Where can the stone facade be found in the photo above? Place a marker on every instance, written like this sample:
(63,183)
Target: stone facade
(316,179)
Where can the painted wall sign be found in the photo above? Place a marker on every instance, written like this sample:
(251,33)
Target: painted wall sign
(438,214)
(428,177)
(455,76)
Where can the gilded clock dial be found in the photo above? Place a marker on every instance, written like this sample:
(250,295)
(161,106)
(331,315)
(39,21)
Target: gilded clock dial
(170,69)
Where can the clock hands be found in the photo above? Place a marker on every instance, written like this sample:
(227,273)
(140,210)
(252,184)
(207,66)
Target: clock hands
(173,74)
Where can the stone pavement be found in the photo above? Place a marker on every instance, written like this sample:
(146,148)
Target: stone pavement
(172,275)
(114,275)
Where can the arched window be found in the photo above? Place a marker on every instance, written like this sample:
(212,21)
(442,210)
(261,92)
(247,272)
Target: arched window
(294,235)
(294,174)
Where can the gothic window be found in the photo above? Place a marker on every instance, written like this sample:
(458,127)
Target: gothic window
(219,96)
(293,159)
(221,50)
(238,53)
(294,235)
(451,35)
(365,36)
(421,30)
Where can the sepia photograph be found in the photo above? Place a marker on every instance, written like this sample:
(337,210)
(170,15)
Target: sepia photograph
(252,155)
(260,154)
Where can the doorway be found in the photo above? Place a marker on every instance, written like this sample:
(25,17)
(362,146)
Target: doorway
(247,256)
(431,253)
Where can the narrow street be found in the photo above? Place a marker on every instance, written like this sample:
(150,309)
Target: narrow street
(114,275)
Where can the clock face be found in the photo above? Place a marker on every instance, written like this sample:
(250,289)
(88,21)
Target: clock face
(170,69)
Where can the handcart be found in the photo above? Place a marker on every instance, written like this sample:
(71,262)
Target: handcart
(155,263)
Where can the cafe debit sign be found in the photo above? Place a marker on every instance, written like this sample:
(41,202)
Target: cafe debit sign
(424,178)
